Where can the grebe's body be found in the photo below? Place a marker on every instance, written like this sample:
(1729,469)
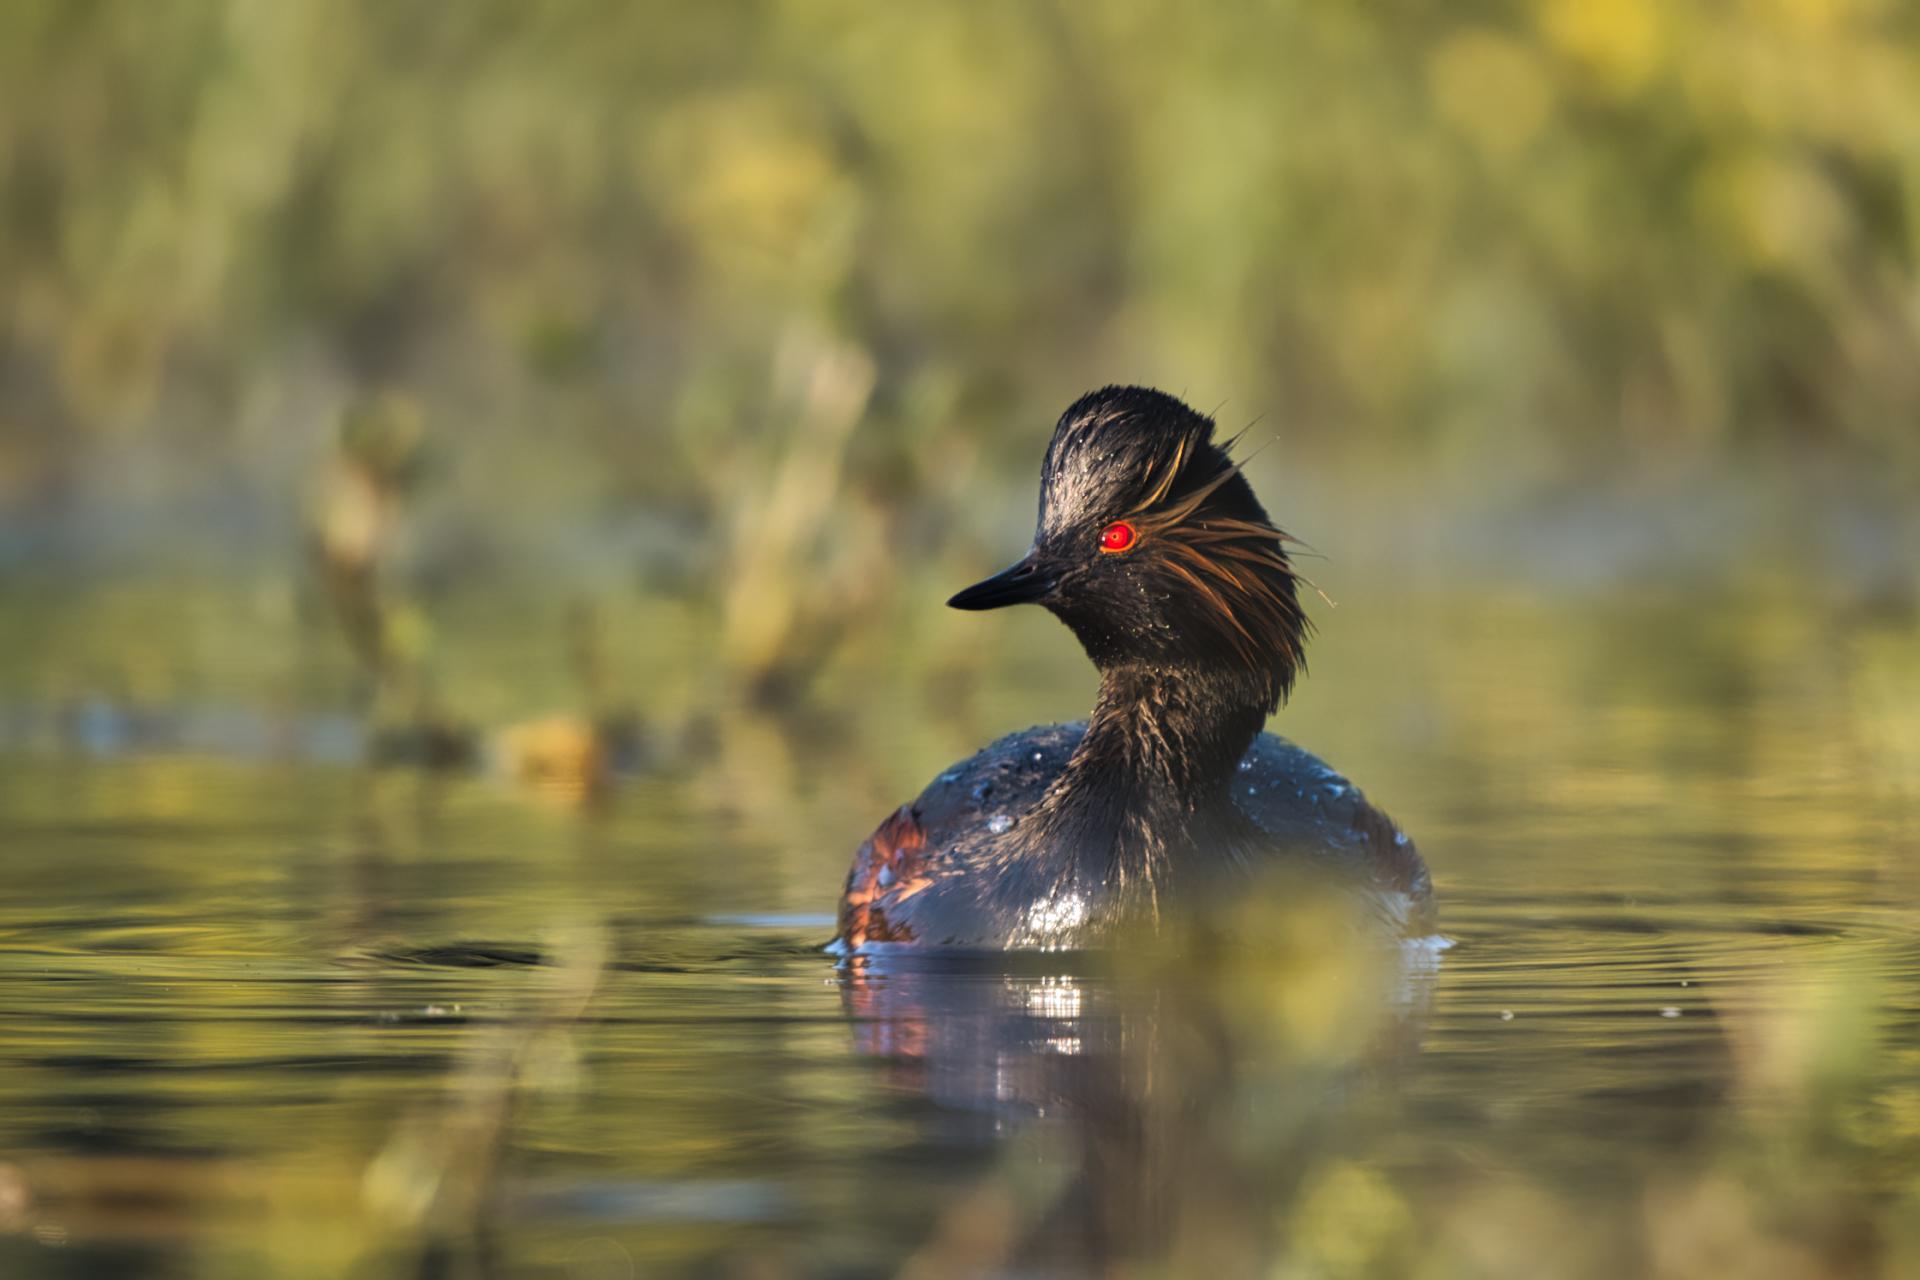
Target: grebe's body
(1152,548)
(939,872)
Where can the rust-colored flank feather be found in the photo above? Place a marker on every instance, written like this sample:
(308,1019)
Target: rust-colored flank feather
(888,870)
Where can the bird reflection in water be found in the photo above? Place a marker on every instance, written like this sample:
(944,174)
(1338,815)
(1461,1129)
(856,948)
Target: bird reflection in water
(1158,1103)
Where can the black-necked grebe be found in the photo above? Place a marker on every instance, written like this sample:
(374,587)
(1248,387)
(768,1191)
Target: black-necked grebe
(1153,550)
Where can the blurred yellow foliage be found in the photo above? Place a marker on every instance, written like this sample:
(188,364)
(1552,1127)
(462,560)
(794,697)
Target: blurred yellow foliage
(753,183)
(1349,1222)
(1621,42)
(1491,88)
(1778,212)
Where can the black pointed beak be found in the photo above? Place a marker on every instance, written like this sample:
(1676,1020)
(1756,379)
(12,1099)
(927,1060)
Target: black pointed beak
(1023,583)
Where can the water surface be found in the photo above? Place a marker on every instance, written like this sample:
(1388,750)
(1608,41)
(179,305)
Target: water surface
(264,1012)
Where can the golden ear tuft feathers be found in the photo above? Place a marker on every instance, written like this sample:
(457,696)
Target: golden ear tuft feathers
(1236,565)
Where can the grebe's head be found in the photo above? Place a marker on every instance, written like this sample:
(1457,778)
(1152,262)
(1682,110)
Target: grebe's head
(1153,549)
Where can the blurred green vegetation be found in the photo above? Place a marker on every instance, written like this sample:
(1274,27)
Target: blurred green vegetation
(773,302)
(626,235)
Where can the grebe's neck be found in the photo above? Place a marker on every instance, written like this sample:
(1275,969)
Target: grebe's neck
(1176,734)
(1149,780)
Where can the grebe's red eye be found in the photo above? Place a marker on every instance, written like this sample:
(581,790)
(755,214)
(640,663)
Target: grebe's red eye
(1118,536)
